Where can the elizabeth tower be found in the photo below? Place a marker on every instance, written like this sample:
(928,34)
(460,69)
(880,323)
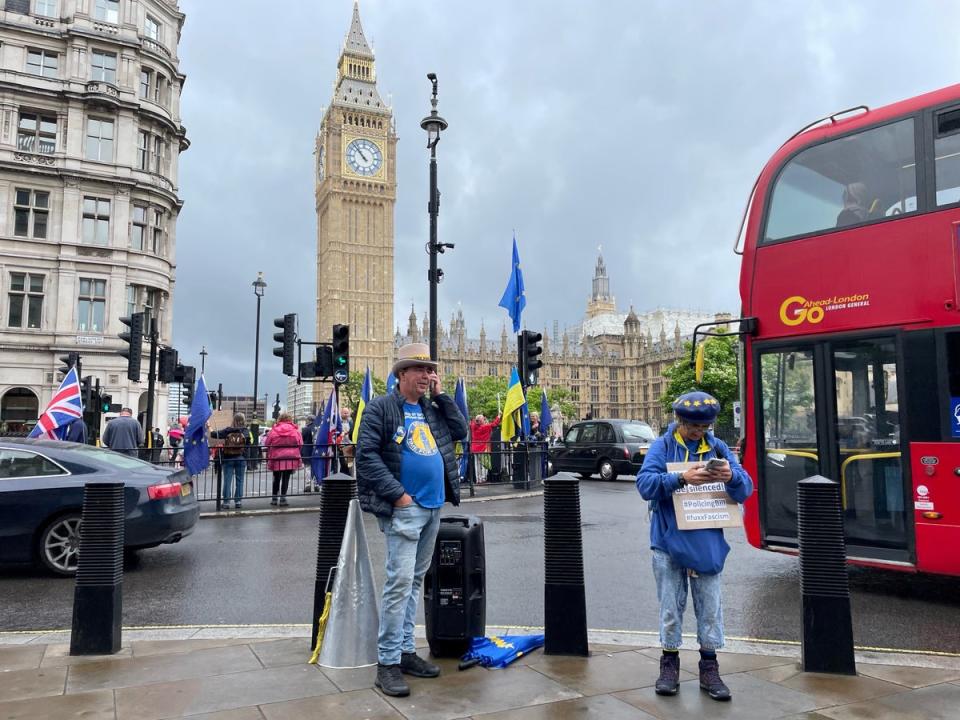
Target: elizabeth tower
(356,191)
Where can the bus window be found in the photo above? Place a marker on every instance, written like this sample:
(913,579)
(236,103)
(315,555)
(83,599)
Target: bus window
(946,148)
(847,181)
(789,435)
(867,435)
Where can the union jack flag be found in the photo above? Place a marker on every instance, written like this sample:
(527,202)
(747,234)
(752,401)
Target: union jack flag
(64,407)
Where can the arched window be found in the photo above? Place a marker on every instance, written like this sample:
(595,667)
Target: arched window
(19,409)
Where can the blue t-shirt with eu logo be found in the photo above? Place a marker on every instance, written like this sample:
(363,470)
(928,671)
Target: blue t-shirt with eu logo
(421,468)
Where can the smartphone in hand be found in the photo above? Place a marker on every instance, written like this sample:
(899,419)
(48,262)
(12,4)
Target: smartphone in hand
(716,464)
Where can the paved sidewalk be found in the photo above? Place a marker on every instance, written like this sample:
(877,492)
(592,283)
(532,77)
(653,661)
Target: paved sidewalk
(260,672)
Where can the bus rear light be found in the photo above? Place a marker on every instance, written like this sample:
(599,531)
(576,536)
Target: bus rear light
(932,515)
(162,492)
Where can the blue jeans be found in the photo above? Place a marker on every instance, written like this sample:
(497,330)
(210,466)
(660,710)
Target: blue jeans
(233,467)
(672,592)
(410,535)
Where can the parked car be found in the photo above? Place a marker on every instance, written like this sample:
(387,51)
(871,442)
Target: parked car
(605,447)
(41,498)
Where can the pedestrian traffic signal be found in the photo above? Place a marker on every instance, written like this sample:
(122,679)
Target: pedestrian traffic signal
(323,367)
(134,339)
(167,365)
(530,351)
(105,402)
(287,338)
(187,394)
(69,360)
(186,375)
(341,353)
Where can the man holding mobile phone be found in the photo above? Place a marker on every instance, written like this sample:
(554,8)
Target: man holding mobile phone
(689,557)
(406,470)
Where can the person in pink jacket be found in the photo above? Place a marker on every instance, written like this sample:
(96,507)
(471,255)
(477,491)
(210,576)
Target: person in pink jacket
(283,444)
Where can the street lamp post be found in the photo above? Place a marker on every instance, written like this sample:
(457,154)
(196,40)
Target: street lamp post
(204,353)
(434,125)
(258,287)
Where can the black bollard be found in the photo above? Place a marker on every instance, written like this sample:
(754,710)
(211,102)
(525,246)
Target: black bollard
(824,587)
(565,604)
(335,495)
(98,594)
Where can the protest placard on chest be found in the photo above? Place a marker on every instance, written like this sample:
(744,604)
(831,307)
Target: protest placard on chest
(703,506)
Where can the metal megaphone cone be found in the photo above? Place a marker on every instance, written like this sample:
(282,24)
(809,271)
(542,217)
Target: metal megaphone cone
(350,638)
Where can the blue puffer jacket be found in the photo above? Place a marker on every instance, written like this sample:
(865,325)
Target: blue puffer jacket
(702,550)
(379,457)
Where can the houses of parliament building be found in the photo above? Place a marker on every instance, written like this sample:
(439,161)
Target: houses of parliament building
(612,362)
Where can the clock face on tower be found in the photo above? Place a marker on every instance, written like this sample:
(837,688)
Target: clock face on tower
(364,157)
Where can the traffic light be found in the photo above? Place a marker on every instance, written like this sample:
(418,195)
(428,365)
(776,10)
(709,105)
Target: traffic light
(288,323)
(106,401)
(341,353)
(323,367)
(69,360)
(530,351)
(134,338)
(187,378)
(86,391)
(167,362)
(212,398)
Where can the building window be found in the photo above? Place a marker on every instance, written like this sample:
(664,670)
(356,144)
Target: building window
(492,370)
(103,67)
(574,373)
(18,6)
(37,133)
(91,305)
(47,8)
(160,89)
(107,10)
(157,154)
(152,29)
(30,211)
(25,300)
(42,62)
(99,139)
(146,78)
(151,152)
(614,395)
(613,373)
(146,300)
(158,229)
(143,150)
(594,374)
(471,368)
(96,221)
(138,229)
(594,394)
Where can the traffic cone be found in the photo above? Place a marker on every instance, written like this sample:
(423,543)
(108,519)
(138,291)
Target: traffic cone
(350,637)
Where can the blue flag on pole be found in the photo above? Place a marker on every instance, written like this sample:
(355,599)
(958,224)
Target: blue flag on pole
(196,451)
(514,299)
(323,445)
(546,419)
(391,382)
(460,399)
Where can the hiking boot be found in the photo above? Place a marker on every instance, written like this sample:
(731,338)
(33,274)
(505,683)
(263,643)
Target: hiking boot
(711,682)
(669,681)
(413,664)
(390,681)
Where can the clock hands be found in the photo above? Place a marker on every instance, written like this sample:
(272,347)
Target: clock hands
(362,154)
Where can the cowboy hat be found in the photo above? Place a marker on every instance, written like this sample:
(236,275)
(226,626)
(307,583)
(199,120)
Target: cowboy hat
(413,354)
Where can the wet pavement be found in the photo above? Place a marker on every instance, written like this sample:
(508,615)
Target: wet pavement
(226,674)
(259,567)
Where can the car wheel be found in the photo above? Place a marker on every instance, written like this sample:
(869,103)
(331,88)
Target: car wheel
(59,545)
(606,471)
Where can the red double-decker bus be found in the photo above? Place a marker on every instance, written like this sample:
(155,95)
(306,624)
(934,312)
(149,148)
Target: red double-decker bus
(851,270)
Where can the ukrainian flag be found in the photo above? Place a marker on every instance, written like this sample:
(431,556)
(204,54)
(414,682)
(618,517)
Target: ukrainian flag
(366,395)
(510,425)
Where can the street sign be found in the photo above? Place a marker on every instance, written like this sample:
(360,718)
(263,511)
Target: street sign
(340,376)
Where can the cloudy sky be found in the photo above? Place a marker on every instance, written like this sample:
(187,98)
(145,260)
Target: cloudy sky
(636,125)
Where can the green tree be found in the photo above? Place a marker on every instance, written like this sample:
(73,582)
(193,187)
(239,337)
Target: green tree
(482,395)
(719,379)
(562,397)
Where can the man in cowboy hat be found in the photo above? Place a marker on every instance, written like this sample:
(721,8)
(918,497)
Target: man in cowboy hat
(689,556)
(406,469)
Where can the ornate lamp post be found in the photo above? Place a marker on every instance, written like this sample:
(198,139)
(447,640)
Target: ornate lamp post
(434,125)
(258,287)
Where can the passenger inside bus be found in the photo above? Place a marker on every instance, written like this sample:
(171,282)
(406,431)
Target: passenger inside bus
(856,205)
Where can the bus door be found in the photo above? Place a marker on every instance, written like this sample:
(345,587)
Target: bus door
(831,408)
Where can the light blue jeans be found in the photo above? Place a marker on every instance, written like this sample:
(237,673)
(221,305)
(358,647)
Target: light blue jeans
(235,467)
(410,534)
(672,592)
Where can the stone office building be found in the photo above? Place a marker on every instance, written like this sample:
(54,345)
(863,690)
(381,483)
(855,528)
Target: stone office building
(89,147)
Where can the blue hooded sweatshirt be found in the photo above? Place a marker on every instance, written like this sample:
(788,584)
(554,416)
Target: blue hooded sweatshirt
(701,550)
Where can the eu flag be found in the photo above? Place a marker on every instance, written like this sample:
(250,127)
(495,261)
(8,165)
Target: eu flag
(391,382)
(499,651)
(514,299)
(546,419)
(196,451)
(460,400)
(325,441)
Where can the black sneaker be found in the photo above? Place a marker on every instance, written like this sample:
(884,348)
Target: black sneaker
(669,681)
(390,681)
(273,501)
(711,682)
(413,664)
